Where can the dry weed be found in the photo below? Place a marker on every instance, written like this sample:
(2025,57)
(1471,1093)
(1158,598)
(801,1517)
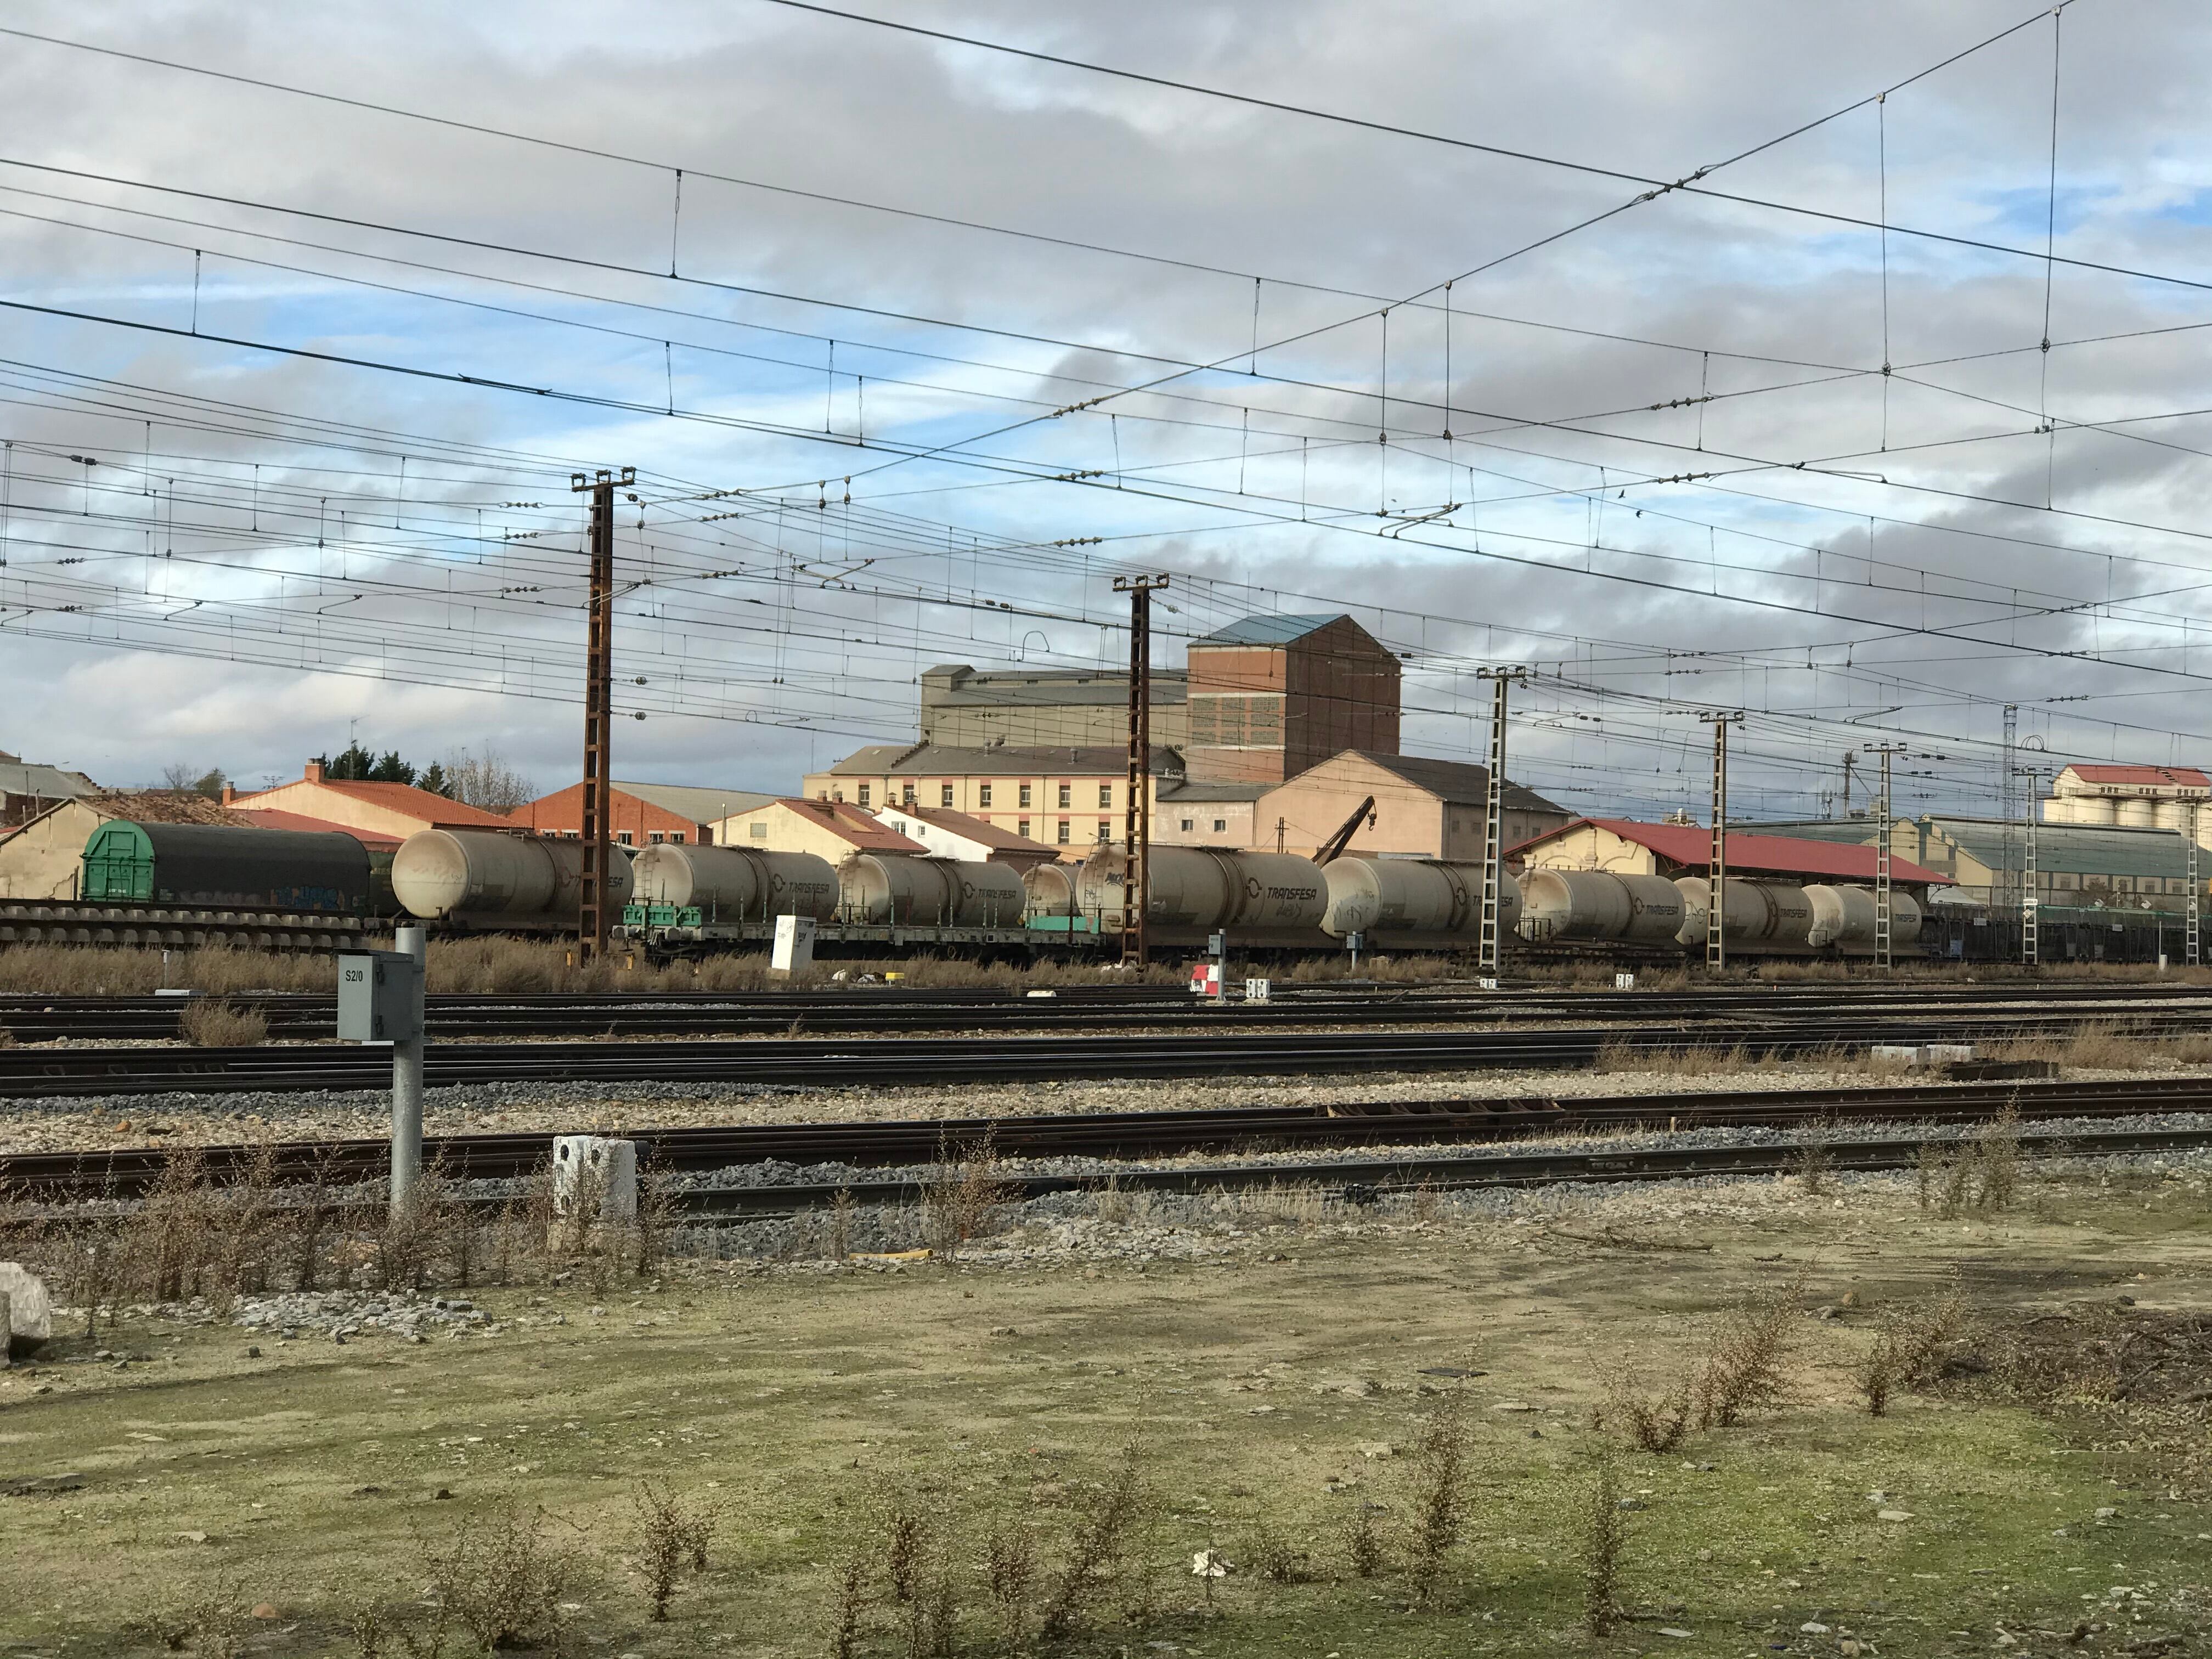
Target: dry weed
(1656,1422)
(963,1192)
(1439,1496)
(1272,1556)
(673,1535)
(1906,1348)
(1363,1542)
(501,1579)
(1604,1538)
(208,1023)
(1744,1367)
(1094,1557)
(849,1606)
(1010,1578)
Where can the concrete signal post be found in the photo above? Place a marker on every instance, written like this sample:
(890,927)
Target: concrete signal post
(380,1000)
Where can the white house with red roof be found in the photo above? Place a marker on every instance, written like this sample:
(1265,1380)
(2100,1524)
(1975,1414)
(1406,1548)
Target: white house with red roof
(1625,846)
(831,829)
(398,810)
(953,835)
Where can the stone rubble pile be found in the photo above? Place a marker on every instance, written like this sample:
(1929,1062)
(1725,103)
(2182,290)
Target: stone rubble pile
(353,1312)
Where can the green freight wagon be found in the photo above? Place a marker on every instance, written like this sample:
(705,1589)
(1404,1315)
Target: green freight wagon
(325,871)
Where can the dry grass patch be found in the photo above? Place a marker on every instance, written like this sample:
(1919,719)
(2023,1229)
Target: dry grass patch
(1619,1054)
(210,1023)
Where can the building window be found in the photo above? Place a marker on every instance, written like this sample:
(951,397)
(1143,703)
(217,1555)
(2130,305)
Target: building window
(656,837)
(983,795)
(1220,825)
(1186,825)
(1067,794)
(1023,828)
(757,831)
(1105,794)
(862,795)
(1105,829)
(906,794)
(1024,800)
(945,795)
(622,836)
(676,837)
(1063,832)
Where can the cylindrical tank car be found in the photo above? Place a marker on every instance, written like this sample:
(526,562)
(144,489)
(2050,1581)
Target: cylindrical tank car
(735,884)
(489,878)
(908,890)
(1413,896)
(326,872)
(1208,889)
(1566,906)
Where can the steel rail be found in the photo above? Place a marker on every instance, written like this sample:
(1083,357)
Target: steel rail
(817,1062)
(1366,1180)
(126,1171)
(44,1019)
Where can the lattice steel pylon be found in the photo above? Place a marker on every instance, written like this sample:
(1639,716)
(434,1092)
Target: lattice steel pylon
(598,709)
(1717,853)
(2031,890)
(1884,942)
(2190,952)
(1493,819)
(1136,879)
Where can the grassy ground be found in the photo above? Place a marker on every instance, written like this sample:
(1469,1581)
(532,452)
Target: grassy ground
(1260,1391)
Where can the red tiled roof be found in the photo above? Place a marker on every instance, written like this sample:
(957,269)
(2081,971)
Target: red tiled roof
(971,828)
(2181,777)
(1690,846)
(849,823)
(268,817)
(401,797)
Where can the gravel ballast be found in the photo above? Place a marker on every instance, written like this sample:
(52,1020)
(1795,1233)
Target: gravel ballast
(71,1123)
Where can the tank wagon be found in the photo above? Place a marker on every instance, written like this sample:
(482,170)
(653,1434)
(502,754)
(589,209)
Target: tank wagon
(325,872)
(701,885)
(1778,918)
(1195,891)
(492,881)
(909,890)
(1413,903)
(1573,906)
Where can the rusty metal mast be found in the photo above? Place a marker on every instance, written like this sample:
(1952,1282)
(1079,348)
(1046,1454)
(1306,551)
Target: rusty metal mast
(1716,855)
(599,709)
(1136,881)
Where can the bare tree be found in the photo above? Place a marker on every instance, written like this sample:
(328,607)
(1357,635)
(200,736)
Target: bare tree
(177,775)
(484,780)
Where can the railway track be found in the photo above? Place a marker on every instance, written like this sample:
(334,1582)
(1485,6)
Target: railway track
(125,1172)
(1366,1180)
(453,1017)
(27,1073)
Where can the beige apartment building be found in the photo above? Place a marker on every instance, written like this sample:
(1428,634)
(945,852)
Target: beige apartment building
(1073,798)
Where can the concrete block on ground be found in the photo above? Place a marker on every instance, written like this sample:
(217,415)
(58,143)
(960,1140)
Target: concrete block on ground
(793,949)
(30,1310)
(589,1166)
(1946,1054)
(1908,1053)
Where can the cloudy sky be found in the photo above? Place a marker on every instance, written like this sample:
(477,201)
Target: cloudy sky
(932,341)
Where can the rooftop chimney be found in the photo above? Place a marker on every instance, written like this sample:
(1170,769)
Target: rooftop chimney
(229,794)
(314,771)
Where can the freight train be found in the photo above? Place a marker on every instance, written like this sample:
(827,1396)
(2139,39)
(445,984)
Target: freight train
(192,883)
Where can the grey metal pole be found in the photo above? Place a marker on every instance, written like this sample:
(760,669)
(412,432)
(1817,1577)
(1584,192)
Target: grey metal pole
(407,1080)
